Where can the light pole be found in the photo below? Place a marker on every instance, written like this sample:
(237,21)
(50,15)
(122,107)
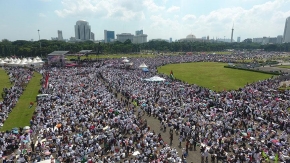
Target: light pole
(39,43)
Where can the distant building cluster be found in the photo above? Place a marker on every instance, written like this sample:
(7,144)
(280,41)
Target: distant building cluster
(269,40)
(138,38)
(83,32)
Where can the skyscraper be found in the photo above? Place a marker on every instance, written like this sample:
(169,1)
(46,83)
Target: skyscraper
(59,35)
(279,39)
(239,39)
(92,36)
(286,35)
(109,36)
(82,30)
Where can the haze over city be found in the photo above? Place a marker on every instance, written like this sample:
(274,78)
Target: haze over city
(20,20)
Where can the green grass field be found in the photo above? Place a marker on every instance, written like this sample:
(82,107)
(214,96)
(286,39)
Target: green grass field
(4,82)
(283,66)
(92,56)
(21,114)
(212,75)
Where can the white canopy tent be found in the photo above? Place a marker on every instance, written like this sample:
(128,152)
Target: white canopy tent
(6,60)
(2,63)
(125,61)
(155,79)
(143,65)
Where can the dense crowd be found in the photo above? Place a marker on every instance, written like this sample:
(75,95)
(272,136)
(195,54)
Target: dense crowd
(84,118)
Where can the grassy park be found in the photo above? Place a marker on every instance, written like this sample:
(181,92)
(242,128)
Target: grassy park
(5,82)
(21,114)
(212,75)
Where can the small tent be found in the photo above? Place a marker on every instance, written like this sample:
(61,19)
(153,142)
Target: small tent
(143,65)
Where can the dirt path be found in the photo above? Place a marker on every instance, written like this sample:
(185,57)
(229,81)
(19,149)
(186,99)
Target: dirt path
(154,124)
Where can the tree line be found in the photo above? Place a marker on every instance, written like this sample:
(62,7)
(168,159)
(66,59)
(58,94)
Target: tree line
(22,48)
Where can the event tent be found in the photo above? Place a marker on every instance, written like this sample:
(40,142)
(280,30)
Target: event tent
(125,61)
(143,65)
(2,63)
(155,79)
(145,69)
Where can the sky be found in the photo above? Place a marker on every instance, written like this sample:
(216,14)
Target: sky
(20,19)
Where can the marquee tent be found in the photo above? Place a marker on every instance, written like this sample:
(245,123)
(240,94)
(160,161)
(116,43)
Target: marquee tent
(143,65)
(125,61)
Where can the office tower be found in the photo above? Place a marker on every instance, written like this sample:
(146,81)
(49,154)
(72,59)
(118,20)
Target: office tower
(139,39)
(239,39)
(286,35)
(207,38)
(125,36)
(279,39)
(109,36)
(59,35)
(170,39)
(82,30)
(92,36)
(139,32)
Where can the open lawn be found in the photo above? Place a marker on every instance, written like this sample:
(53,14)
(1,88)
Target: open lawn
(104,56)
(4,82)
(21,114)
(283,66)
(212,75)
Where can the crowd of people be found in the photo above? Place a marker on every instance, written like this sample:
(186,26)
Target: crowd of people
(96,114)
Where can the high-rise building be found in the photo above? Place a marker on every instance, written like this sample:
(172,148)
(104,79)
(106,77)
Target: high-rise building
(279,39)
(92,36)
(82,30)
(139,39)
(139,32)
(287,31)
(109,36)
(59,35)
(125,36)
(170,39)
(239,39)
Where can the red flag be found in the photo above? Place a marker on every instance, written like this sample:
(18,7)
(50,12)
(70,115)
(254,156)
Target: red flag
(46,80)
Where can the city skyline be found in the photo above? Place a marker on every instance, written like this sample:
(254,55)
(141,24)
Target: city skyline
(159,18)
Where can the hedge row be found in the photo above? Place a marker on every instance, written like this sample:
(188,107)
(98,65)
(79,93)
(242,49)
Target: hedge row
(253,70)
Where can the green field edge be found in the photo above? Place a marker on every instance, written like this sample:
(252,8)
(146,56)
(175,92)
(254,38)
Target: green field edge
(167,73)
(4,82)
(21,113)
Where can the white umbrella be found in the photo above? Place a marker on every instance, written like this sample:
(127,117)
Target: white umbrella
(26,128)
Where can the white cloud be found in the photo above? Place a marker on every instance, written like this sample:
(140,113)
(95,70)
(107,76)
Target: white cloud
(260,20)
(124,10)
(265,19)
(173,9)
(189,17)
(42,15)
(152,6)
